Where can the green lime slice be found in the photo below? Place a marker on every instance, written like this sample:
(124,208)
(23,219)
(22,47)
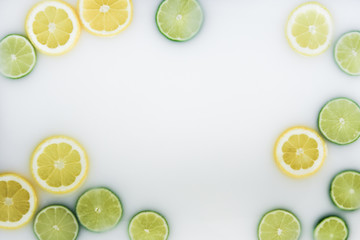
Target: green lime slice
(179,20)
(345,190)
(17,56)
(332,227)
(99,209)
(339,121)
(148,225)
(56,222)
(279,224)
(347,53)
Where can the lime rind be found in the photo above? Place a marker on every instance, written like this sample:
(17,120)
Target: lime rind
(323,220)
(335,51)
(319,121)
(28,43)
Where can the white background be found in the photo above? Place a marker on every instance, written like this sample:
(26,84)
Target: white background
(186,129)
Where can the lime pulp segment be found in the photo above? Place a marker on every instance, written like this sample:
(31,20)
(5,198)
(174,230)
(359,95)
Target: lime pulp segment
(99,209)
(339,121)
(279,224)
(333,228)
(345,190)
(179,20)
(148,225)
(56,222)
(347,53)
(17,56)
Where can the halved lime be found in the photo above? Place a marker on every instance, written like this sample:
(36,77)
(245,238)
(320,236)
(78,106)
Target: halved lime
(17,56)
(148,225)
(345,190)
(331,228)
(279,224)
(339,121)
(56,222)
(347,53)
(179,20)
(99,209)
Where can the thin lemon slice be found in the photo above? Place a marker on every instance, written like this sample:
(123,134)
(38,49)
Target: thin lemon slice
(300,152)
(105,17)
(309,29)
(59,164)
(18,201)
(53,27)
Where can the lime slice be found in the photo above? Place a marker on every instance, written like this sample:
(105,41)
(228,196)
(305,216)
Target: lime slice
(279,224)
(332,227)
(148,225)
(347,53)
(17,56)
(56,222)
(339,121)
(345,190)
(99,209)
(179,20)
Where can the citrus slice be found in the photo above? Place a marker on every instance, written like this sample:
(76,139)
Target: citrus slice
(17,56)
(279,224)
(59,164)
(105,17)
(179,20)
(309,29)
(148,225)
(53,27)
(345,190)
(300,152)
(99,209)
(18,201)
(333,228)
(339,121)
(347,53)
(56,222)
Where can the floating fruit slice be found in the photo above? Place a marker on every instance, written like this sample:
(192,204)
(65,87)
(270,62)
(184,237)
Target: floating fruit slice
(309,29)
(59,164)
(331,228)
(18,201)
(17,56)
(99,209)
(300,152)
(339,121)
(179,20)
(105,17)
(53,27)
(148,225)
(56,222)
(347,53)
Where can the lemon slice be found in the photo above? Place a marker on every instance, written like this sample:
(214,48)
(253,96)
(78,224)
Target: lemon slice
(105,17)
(309,29)
(18,201)
(53,27)
(300,152)
(59,164)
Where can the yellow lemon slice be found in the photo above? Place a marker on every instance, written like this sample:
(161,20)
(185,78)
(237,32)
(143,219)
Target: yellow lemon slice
(300,152)
(59,164)
(105,17)
(53,27)
(18,201)
(309,29)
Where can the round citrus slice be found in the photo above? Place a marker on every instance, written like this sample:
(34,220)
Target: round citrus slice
(300,152)
(59,164)
(333,228)
(279,224)
(345,190)
(18,201)
(53,27)
(17,56)
(309,29)
(105,17)
(347,53)
(148,225)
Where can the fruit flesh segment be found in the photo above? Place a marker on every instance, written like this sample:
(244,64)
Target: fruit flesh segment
(148,226)
(332,229)
(348,53)
(346,190)
(279,226)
